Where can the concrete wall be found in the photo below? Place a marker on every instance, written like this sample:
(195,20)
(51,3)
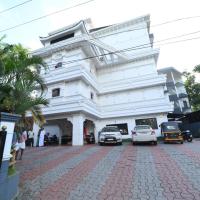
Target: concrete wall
(127,39)
(130,122)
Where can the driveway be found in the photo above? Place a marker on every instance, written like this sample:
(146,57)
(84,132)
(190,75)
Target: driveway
(165,171)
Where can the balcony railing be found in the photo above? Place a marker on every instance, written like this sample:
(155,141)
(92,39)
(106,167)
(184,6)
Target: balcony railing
(183,95)
(173,97)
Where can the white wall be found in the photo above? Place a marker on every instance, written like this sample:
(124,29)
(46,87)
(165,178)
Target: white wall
(131,70)
(99,124)
(52,130)
(128,38)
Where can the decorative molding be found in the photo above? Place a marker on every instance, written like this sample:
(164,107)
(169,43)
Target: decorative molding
(112,28)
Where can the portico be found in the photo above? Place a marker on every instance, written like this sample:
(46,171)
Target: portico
(71,127)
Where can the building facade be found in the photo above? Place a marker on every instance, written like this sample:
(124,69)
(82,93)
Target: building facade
(102,76)
(176,90)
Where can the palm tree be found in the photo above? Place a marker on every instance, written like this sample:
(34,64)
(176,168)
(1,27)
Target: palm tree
(19,78)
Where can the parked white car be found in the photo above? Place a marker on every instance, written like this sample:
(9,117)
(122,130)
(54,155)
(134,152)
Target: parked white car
(110,134)
(144,133)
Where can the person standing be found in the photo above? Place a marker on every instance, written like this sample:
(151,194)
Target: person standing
(41,137)
(21,145)
(31,137)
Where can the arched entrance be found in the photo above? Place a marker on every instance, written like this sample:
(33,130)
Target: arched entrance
(62,128)
(67,129)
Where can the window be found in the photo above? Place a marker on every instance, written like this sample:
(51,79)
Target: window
(148,121)
(62,38)
(185,104)
(58,65)
(122,127)
(56,92)
(110,129)
(91,95)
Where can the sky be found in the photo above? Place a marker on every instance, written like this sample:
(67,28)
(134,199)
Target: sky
(181,55)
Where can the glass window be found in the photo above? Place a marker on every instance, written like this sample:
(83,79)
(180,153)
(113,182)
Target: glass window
(56,92)
(110,129)
(91,95)
(148,121)
(122,127)
(185,104)
(141,127)
(68,36)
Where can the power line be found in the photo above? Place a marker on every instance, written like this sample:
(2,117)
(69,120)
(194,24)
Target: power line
(148,44)
(144,46)
(45,16)
(56,12)
(154,25)
(15,6)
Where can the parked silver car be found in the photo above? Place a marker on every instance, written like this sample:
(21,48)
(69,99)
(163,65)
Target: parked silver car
(110,134)
(144,133)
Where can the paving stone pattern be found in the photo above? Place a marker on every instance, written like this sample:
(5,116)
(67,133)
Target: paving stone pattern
(127,172)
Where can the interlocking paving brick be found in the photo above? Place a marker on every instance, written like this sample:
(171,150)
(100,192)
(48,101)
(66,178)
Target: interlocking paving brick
(33,187)
(76,175)
(97,177)
(188,166)
(165,172)
(174,181)
(118,184)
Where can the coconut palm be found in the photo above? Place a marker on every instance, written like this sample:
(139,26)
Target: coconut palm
(19,78)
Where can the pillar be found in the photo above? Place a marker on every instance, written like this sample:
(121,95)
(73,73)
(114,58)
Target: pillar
(77,133)
(35,131)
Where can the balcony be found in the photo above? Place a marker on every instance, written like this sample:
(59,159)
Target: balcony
(183,95)
(179,84)
(170,84)
(173,97)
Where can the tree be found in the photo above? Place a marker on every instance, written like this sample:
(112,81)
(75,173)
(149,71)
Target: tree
(19,78)
(193,89)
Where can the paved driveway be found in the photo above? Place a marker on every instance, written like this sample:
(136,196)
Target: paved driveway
(166,171)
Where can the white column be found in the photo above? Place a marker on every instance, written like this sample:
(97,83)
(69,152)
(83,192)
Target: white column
(10,128)
(60,135)
(35,131)
(98,127)
(77,133)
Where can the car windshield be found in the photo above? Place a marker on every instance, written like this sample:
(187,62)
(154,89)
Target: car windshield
(142,127)
(171,127)
(110,129)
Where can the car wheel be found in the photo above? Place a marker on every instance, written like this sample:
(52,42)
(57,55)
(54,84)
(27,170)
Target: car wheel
(120,143)
(155,143)
(134,143)
(181,142)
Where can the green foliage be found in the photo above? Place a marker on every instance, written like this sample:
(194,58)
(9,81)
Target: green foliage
(193,89)
(19,78)
(11,170)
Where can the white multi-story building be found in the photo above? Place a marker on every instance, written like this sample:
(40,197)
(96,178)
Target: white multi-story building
(102,76)
(176,90)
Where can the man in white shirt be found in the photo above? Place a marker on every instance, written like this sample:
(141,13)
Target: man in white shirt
(31,137)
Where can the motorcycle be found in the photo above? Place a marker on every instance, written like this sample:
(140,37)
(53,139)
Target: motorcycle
(90,139)
(187,135)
